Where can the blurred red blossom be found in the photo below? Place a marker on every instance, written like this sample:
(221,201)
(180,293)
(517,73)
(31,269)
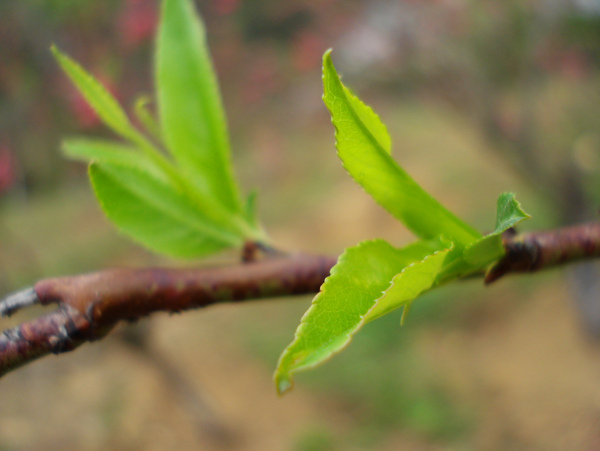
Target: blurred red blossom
(137,22)
(8,169)
(307,49)
(224,7)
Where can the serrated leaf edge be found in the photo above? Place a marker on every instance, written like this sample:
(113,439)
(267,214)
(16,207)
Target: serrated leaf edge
(284,381)
(464,228)
(399,275)
(500,228)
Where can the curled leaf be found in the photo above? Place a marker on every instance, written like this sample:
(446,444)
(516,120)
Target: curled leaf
(369,280)
(364,148)
(489,248)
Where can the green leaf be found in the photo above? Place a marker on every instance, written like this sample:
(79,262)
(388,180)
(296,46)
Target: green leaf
(408,284)
(509,212)
(200,201)
(351,295)
(489,248)
(372,122)
(104,151)
(146,118)
(363,146)
(251,210)
(191,114)
(155,213)
(103,103)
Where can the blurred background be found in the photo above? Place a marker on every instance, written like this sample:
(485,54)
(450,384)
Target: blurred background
(480,97)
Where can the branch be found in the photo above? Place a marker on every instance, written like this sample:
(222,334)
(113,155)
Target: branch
(535,251)
(90,305)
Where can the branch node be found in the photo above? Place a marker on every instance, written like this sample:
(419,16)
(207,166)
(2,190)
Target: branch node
(254,251)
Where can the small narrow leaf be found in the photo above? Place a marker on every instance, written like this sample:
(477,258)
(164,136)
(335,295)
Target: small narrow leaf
(356,282)
(509,212)
(363,146)
(104,151)
(251,209)
(489,248)
(192,118)
(155,213)
(103,103)
(146,118)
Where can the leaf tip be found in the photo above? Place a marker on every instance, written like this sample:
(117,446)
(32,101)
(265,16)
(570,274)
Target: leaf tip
(283,382)
(405,312)
(58,55)
(327,63)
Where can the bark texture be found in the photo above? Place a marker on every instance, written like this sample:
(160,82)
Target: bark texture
(90,305)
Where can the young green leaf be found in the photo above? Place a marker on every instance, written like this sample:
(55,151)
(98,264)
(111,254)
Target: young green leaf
(489,248)
(155,213)
(103,103)
(371,121)
(200,182)
(250,210)
(508,212)
(363,146)
(352,290)
(146,118)
(408,284)
(192,118)
(104,151)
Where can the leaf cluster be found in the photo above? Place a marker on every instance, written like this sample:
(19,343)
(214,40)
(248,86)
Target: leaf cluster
(172,189)
(375,278)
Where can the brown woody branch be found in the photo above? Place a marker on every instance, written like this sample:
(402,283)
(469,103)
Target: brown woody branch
(534,251)
(90,305)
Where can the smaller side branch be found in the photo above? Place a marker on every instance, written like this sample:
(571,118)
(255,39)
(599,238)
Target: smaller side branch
(52,333)
(535,251)
(17,301)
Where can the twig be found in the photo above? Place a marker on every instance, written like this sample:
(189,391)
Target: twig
(535,251)
(90,305)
